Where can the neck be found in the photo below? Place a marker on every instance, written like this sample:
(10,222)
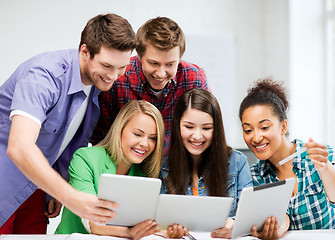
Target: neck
(123,168)
(196,163)
(83,77)
(286,149)
(195,176)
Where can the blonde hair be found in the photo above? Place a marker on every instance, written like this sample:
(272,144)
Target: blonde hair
(112,142)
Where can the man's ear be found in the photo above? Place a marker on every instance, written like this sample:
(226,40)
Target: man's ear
(84,51)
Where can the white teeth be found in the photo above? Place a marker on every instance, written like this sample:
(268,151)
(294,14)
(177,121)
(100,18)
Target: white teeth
(196,144)
(108,81)
(261,146)
(139,151)
(159,79)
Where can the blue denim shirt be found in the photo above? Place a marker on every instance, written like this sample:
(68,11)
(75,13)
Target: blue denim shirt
(239,177)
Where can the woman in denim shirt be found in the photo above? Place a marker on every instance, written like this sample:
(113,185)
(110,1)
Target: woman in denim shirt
(200,161)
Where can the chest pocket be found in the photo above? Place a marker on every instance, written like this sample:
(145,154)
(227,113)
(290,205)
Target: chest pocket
(309,204)
(52,126)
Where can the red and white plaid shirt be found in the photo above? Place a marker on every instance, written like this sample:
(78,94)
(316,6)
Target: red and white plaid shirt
(133,85)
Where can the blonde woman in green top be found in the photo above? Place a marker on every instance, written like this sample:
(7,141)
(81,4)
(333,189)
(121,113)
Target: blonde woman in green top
(133,146)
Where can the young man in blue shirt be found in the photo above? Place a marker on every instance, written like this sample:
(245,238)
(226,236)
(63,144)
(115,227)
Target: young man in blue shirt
(48,109)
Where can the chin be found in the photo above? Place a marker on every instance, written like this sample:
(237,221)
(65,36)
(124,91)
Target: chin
(261,157)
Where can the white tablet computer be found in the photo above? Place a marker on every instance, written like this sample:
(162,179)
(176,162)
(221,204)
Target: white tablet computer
(198,213)
(258,203)
(137,197)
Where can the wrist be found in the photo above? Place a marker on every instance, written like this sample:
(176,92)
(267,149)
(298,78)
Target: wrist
(67,194)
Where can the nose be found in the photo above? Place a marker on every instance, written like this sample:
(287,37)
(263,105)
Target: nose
(113,75)
(160,72)
(197,134)
(257,137)
(144,142)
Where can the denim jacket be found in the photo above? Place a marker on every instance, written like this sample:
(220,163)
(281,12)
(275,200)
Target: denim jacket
(239,177)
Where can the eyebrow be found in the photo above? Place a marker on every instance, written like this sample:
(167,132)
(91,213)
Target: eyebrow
(111,65)
(152,60)
(152,134)
(185,121)
(262,121)
(139,130)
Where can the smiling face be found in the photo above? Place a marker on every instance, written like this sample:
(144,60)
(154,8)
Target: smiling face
(196,129)
(104,68)
(138,138)
(159,66)
(262,131)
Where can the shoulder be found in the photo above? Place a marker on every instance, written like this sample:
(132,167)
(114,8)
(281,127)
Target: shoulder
(186,68)
(96,150)
(89,155)
(134,66)
(50,66)
(189,66)
(61,59)
(190,76)
(132,75)
(237,159)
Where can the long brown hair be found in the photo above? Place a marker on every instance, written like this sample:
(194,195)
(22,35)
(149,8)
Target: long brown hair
(214,160)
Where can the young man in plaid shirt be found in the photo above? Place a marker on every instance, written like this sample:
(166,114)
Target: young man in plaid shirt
(157,75)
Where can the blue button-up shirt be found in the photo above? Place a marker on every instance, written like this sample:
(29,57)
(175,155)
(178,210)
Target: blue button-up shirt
(239,177)
(48,87)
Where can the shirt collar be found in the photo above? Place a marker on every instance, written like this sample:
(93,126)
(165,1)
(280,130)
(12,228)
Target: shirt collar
(266,167)
(111,168)
(75,78)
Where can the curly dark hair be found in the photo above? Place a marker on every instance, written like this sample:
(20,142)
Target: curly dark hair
(267,92)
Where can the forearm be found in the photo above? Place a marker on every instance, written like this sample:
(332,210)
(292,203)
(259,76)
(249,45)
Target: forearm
(109,230)
(285,225)
(24,152)
(33,164)
(327,175)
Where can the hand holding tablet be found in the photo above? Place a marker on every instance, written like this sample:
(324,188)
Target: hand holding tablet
(258,203)
(139,200)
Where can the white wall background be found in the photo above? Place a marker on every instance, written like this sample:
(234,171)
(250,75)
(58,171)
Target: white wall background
(235,41)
